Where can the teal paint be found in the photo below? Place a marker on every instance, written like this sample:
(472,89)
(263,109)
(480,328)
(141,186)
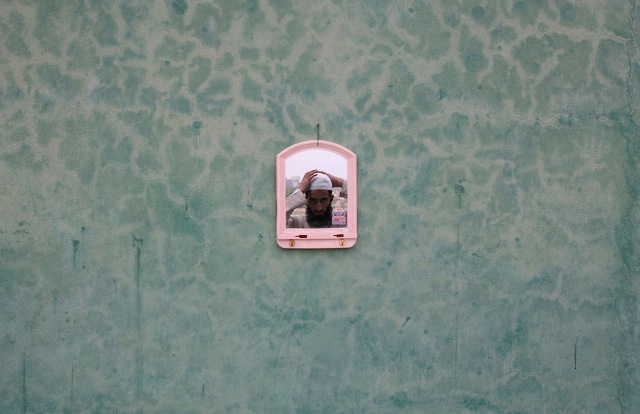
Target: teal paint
(105,28)
(495,269)
(199,71)
(15,36)
(180,104)
(251,90)
(532,53)
(58,83)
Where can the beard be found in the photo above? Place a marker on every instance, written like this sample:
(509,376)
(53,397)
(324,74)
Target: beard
(323,221)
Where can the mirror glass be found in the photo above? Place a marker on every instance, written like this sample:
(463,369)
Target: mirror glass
(316,196)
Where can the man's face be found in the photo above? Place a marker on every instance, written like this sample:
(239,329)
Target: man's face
(319,201)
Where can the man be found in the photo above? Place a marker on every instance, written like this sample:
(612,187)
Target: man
(316,191)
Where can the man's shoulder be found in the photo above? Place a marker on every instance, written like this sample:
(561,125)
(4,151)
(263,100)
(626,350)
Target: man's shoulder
(297,222)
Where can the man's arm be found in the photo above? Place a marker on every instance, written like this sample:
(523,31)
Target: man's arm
(298,198)
(294,200)
(338,182)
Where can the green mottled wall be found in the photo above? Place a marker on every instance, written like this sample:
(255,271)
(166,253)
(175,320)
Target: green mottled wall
(497,265)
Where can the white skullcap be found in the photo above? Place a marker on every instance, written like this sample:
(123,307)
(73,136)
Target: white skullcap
(320,182)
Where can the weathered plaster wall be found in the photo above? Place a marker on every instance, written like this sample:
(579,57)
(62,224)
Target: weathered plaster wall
(497,263)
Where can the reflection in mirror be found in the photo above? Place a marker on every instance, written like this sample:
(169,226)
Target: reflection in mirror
(316,197)
(316,189)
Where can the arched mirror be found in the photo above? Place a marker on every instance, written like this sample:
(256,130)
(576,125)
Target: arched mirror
(316,196)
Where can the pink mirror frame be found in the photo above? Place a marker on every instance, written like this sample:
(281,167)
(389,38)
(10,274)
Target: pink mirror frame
(316,238)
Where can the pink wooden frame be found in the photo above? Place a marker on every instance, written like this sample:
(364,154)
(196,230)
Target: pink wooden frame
(332,238)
